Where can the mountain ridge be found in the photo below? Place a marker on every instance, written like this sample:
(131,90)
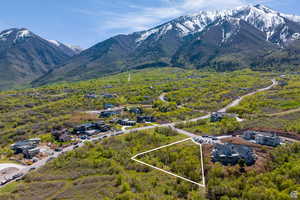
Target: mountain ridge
(222,40)
(25,56)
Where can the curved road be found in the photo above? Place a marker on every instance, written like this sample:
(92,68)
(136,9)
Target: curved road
(42,162)
(234,103)
(237,101)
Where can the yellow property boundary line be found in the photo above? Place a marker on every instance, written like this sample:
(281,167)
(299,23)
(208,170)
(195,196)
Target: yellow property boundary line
(170,173)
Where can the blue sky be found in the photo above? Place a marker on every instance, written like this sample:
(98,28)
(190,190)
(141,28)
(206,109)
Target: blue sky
(87,22)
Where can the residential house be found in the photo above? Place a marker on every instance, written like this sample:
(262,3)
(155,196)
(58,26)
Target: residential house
(107,114)
(61,135)
(91,128)
(145,119)
(26,147)
(126,122)
(136,111)
(91,96)
(109,96)
(218,116)
(231,154)
(263,138)
(108,106)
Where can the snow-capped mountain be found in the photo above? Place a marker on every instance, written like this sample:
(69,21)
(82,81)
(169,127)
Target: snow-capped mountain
(269,22)
(68,49)
(24,56)
(15,35)
(249,36)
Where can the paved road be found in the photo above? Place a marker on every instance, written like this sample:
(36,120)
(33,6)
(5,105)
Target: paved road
(189,134)
(42,162)
(99,111)
(162,97)
(8,165)
(237,101)
(234,103)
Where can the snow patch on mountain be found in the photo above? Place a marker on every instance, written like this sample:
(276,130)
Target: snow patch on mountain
(56,43)
(293,18)
(184,31)
(146,34)
(23,34)
(296,36)
(263,18)
(5,34)
(76,49)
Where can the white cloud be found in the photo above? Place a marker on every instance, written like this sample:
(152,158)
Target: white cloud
(142,17)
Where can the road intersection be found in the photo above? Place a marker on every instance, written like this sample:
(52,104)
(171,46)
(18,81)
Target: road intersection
(26,169)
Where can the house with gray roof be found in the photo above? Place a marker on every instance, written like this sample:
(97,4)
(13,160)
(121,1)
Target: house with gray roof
(263,138)
(231,154)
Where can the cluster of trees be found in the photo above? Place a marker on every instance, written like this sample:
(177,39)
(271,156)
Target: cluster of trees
(182,159)
(32,112)
(105,171)
(277,183)
(293,126)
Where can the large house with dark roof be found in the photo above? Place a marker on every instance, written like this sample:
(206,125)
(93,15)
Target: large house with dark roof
(27,147)
(91,128)
(231,154)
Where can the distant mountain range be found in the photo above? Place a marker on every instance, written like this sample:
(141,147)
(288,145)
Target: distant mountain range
(253,37)
(25,56)
(249,36)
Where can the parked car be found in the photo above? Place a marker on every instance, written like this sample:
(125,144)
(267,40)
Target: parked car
(58,149)
(49,159)
(4,182)
(84,137)
(17,175)
(32,168)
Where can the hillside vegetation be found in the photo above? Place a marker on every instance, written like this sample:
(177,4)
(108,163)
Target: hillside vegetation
(34,112)
(104,170)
